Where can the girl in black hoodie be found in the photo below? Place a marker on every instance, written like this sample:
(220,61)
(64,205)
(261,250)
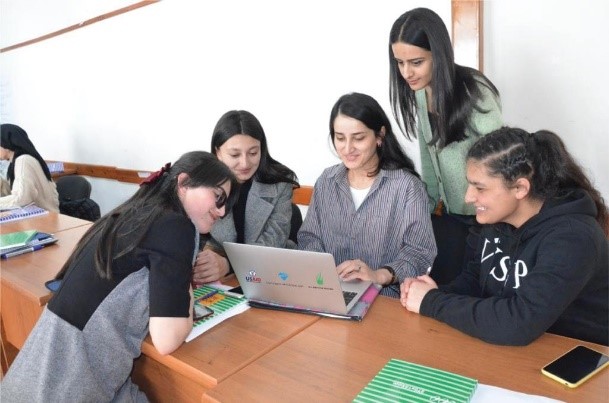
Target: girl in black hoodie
(542,257)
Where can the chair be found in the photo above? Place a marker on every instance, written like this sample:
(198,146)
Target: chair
(74,198)
(73,187)
(301,195)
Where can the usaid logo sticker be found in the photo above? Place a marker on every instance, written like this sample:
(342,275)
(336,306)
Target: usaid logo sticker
(283,275)
(251,277)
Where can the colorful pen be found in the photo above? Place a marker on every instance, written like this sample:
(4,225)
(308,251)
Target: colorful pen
(209,294)
(22,251)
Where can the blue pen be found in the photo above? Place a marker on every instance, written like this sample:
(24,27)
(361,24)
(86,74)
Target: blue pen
(22,251)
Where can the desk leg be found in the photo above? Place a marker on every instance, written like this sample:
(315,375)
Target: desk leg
(8,353)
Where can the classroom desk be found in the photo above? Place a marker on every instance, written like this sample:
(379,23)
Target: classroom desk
(51,223)
(197,366)
(332,360)
(22,277)
(182,376)
(263,355)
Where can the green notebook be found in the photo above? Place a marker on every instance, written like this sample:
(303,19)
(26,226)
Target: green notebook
(16,239)
(224,306)
(18,243)
(402,381)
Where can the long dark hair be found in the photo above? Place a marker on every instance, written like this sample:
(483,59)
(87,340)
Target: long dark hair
(543,159)
(367,110)
(14,138)
(243,122)
(455,89)
(132,218)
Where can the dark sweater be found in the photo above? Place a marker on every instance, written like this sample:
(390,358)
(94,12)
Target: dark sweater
(551,274)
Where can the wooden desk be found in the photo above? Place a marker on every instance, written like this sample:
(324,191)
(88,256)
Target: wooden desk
(182,376)
(22,280)
(265,355)
(51,223)
(213,357)
(332,360)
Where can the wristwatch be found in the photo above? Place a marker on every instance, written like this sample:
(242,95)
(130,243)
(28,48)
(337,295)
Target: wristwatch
(392,272)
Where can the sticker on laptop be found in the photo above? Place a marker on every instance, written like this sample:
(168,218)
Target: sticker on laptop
(251,277)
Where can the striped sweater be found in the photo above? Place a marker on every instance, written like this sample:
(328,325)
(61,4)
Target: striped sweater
(392,226)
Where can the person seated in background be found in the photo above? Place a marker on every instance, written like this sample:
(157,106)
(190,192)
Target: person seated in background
(28,175)
(541,263)
(370,211)
(263,211)
(130,274)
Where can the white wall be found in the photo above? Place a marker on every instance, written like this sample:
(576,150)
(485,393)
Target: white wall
(549,60)
(138,90)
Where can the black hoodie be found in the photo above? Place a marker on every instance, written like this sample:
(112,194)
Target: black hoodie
(551,274)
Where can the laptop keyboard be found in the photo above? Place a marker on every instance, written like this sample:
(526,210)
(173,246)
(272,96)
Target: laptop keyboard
(348,296)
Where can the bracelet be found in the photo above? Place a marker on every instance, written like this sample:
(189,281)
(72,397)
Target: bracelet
(392,272)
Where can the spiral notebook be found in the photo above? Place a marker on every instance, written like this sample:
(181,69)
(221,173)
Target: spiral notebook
(21,213)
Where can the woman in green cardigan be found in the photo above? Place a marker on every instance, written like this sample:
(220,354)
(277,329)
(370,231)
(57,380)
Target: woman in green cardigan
(447,107)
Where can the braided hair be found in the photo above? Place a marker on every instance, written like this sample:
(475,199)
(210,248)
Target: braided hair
(540,157)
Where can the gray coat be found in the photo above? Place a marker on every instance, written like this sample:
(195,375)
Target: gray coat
(268,213)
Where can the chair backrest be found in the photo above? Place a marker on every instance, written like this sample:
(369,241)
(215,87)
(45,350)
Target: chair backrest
(73,187)
(74,198)
(302,195)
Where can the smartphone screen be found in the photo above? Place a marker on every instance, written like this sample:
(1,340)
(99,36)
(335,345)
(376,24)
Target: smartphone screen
(53,285)
(576,366)
(201,311)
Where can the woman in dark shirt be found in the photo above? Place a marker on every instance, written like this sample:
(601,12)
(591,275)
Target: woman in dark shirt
(129,275)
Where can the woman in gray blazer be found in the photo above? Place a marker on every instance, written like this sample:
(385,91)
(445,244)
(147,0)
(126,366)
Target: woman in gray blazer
(263,211)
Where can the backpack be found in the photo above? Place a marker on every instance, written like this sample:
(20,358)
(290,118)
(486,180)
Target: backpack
(86,208)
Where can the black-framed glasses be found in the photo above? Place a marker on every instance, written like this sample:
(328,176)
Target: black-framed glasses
(220,198)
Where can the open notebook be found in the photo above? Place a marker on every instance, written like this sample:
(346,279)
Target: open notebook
(299,281)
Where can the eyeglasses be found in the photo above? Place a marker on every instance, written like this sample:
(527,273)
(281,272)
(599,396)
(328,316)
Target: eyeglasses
(220,198)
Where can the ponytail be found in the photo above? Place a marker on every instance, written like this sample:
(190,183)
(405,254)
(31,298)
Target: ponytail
(540,157)
(558,172)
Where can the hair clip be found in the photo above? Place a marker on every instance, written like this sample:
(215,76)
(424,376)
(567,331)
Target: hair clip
(154,176)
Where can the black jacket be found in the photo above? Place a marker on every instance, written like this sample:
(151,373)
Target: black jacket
(551,274)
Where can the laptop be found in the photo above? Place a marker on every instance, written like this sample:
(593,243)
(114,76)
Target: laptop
(296,280)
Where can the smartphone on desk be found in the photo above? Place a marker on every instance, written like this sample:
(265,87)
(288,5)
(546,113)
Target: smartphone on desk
(201,311)
(576,366)
(236,292)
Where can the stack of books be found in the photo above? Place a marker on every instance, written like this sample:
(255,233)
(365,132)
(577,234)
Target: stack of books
(20,242)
